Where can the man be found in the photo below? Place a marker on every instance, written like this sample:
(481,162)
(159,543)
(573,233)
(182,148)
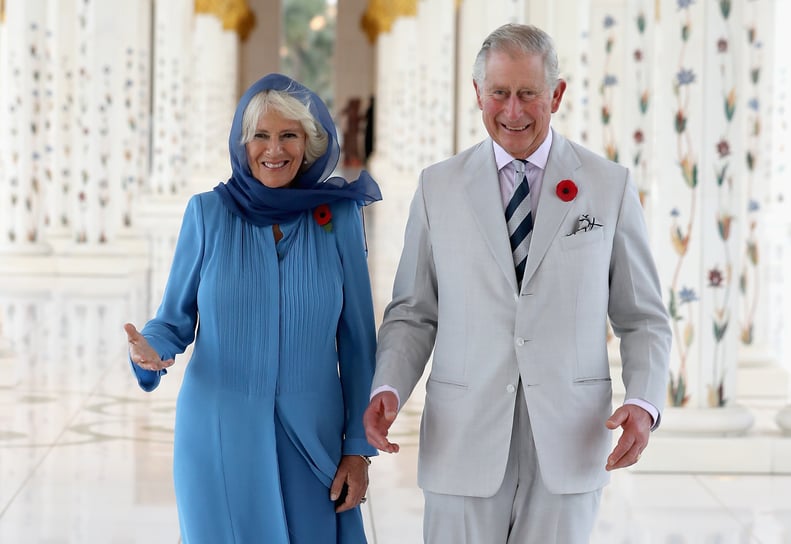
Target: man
(514,440)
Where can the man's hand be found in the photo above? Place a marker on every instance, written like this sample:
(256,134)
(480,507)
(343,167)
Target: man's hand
(378,418)
(636,424)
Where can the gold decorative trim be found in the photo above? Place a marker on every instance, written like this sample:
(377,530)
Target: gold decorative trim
(2,11)
(234,14)
(380,14)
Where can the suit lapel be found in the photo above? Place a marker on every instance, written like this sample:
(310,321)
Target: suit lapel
(483,191)
(561,164)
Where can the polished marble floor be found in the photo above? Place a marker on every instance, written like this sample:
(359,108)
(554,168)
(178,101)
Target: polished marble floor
(85,456)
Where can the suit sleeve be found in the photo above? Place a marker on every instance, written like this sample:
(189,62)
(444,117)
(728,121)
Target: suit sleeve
(409,326)
(356,336)
(173,327)
(636,310)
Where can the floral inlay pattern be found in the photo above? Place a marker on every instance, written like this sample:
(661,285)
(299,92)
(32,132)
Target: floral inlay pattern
(749,279)
(681,305)
(721,274)
(609,80)
(640,160)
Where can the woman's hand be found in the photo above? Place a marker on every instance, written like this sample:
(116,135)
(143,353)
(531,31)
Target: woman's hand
(141,352)
(352,472)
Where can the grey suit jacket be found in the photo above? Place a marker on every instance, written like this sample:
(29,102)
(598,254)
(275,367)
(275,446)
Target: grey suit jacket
(455,293)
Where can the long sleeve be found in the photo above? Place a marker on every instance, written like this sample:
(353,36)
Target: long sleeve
(173,327)
(409,327)
(356,334)
(637,313)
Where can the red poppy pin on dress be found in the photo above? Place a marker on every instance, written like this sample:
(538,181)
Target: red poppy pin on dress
(323,217)
(566,190)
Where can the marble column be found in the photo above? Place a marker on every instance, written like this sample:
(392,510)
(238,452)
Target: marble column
(135,115)
(761,373)
(779,230)
(170,168)
(708,211)
(60,51)
(22,141)
(433,121)
(394,162)
(214,95)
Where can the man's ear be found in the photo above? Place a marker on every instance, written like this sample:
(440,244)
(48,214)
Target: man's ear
(557,94)
(477,94)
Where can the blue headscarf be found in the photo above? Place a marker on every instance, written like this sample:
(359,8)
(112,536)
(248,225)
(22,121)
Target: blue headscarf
(260,205)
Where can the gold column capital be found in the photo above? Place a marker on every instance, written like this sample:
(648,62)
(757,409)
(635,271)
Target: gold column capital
(234,14)
(380,14)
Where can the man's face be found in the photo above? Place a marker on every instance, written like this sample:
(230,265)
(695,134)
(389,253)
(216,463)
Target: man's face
(516,102)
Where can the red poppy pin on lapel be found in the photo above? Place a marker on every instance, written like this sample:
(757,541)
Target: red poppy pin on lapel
(323,217)
(566,190)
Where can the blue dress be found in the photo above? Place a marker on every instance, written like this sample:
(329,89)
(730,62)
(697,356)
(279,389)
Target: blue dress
(284,345)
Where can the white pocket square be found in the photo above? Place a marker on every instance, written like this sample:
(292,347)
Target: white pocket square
(585,223)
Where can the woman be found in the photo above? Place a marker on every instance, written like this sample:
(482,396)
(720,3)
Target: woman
(270,279)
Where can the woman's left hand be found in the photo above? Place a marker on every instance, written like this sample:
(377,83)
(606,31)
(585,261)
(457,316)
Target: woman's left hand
(352,472)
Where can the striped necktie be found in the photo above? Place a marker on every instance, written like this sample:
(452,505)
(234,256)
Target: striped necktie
(519,219)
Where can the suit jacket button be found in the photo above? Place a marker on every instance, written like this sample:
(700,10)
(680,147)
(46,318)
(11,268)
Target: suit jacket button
(510,388)
(520,341)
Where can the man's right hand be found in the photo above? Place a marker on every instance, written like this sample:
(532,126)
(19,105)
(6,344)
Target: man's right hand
(378,418)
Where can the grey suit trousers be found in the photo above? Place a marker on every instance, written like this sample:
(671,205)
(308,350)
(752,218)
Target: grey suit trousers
(522,511)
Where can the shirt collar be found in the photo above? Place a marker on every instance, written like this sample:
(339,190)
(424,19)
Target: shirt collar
(538,158)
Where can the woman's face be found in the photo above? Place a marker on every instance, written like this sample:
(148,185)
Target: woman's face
(276,152)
